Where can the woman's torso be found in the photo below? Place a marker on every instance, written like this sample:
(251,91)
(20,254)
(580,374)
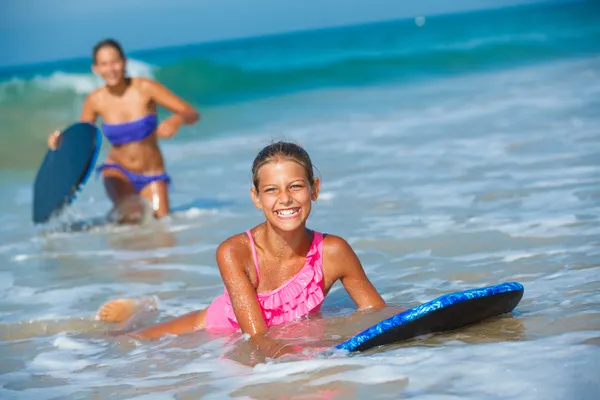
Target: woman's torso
(122,113)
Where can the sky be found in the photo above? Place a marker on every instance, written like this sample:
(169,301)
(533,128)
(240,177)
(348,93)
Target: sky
(33,31)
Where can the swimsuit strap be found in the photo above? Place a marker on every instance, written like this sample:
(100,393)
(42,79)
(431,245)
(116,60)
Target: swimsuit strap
(253,253)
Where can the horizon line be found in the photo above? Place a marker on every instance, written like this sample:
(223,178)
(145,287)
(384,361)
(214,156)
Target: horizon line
(23,67)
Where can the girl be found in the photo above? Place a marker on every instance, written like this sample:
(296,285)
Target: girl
(128,107)
(277,271)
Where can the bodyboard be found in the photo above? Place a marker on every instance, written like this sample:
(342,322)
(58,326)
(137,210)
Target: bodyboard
(445,313)
(65,170)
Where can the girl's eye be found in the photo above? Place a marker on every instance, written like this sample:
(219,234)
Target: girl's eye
(270,190)
(297,186)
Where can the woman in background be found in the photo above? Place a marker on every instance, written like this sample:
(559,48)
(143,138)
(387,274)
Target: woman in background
(128,109)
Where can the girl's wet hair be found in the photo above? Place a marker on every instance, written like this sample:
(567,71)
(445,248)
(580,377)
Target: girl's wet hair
(108,43)
(282,151)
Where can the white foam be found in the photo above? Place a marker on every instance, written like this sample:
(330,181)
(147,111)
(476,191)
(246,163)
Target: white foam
(326,196)
(49,255)
(499,39)
(61,366)
(381,373)
(195,269)
(195,212)
(60,301)
(63,342)
(79,83)
(456,370)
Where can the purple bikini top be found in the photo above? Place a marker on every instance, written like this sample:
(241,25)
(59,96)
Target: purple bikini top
(133,131)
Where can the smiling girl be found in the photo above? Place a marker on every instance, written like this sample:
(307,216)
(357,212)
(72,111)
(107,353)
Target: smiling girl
(275,272)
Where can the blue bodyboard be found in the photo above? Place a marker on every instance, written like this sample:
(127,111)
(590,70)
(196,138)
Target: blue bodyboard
(446,313)
(65,170)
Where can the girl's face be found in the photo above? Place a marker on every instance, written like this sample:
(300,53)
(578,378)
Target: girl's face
(109,65)
(285,194)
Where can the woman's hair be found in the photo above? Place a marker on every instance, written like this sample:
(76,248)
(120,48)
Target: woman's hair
(286,151)
(108,43)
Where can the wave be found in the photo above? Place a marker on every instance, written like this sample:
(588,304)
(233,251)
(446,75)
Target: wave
(38,99)
(78,83)
(86,83)
(403,51)
(208,82)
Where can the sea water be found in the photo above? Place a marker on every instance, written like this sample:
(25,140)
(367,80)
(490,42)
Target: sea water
(455,151)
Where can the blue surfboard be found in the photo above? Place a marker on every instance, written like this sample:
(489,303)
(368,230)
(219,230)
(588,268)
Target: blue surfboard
(446,313)
(65,170)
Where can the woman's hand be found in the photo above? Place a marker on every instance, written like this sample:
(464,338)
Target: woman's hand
(185,114)
(54,140)
(169,127)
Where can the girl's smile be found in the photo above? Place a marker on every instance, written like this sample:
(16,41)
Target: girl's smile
(285,190)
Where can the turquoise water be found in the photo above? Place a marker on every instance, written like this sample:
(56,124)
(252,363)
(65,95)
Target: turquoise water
(456,151)
(219,74)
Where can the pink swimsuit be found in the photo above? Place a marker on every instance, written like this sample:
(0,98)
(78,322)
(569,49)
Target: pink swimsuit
(297,297)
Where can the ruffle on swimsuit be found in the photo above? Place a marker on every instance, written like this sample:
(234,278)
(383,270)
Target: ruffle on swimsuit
(297,297)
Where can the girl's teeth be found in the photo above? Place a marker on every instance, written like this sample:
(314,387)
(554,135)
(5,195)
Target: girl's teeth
(287,212)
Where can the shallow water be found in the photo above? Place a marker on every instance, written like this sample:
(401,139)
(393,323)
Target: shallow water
(496,180)
(460,181)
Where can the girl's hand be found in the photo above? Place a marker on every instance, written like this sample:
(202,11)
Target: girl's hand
(274,348)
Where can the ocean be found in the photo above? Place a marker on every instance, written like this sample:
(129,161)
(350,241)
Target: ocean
(456,151)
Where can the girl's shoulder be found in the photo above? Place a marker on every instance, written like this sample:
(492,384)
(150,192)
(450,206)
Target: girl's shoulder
(237,244)
(338,256)
(236,249)
(335,246)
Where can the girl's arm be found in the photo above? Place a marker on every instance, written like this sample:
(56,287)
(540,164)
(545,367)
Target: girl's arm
(345,265)
(232,255)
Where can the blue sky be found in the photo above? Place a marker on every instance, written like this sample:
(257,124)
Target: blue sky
(34,31)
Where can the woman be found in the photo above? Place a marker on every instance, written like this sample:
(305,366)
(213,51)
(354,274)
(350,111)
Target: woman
(128,106)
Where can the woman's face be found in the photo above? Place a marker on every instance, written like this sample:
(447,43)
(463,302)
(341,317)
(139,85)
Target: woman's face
(109,65)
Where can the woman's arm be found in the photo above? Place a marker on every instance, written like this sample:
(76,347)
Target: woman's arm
(183,112)
(88,114)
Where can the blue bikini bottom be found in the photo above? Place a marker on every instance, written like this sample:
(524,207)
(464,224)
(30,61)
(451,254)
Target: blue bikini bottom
(138,181)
